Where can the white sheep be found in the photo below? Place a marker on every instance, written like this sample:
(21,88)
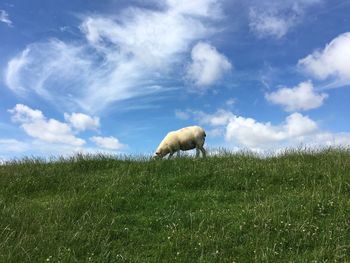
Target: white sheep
(184,139)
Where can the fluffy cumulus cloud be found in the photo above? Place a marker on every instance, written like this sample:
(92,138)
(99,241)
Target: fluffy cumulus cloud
(109,143)
(331,62)
(121,58)
(301,97)
(248,132)
(207,66)
(275,18)
(4,17)
(239,131)
(55,137)
(82,122)
(36,125)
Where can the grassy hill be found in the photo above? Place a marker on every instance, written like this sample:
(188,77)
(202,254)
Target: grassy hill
(233,208)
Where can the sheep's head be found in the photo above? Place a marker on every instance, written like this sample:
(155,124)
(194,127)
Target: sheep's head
(157,155)
(160,153)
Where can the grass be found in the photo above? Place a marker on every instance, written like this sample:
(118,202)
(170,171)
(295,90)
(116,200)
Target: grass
(231,208)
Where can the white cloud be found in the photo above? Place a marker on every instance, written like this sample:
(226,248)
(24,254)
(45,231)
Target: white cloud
(230,102)
(301,97)
(81,122)
(37,126)
(52,137)
(123,57)
(329,139)
(13,145)
(331,62)
(110,143)
(4,17)
(14,66)
(241,132)
(219,118)
(54,70)
(182,115)
(269,25)
(275,18)
(207,66)
(205,8)
(248,132)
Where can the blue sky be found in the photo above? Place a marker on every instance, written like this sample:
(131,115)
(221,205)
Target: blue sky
(116,76)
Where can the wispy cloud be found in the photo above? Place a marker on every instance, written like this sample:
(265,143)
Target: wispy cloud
(131,55)
(4,17)
(275,18)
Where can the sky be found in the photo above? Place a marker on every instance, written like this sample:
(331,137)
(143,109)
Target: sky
(116,76)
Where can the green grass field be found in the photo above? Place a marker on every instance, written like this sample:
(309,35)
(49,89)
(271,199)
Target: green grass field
(231,208)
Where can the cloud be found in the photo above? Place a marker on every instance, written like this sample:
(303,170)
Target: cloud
(54,70)
(13,145)
(329,139)
(82,122)
(269,25)
(230,102)
(248,132)
(35,124)
(110,143)
(52,137)
(295,130)
(301,97)
(207,66)
(275,19)
(133,54)
(4,17)
(333,62)
(182,115)
(204,8)
(219,118)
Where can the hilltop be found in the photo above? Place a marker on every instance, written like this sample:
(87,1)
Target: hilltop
(231,208)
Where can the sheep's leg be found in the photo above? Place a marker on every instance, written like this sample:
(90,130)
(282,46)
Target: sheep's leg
(203,151)
(170,155)
(197,152)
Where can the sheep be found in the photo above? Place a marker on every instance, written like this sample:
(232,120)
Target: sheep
(184,139)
